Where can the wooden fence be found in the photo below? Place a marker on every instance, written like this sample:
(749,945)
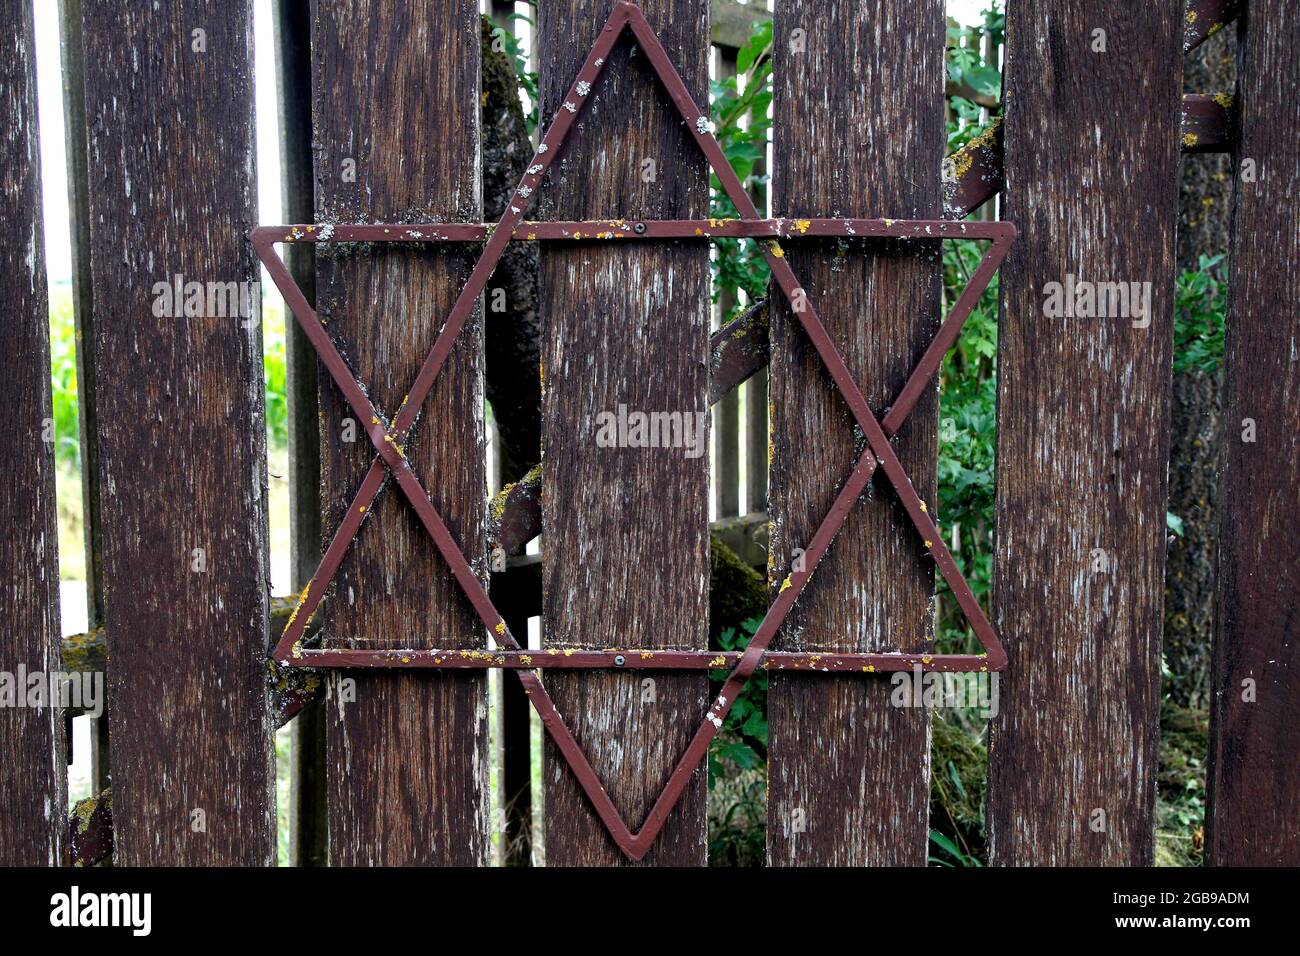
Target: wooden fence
(380,109)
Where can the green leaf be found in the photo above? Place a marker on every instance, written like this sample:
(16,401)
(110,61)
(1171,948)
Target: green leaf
(984,79)
(945,844)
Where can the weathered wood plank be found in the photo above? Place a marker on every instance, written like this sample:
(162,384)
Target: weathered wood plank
(409,757)
(1083,414)
(1254,772)
(626,556)
(848,773)
(182,438)
(33,776)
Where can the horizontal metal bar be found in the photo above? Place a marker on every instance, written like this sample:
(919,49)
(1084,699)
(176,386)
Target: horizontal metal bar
(606,229)
(1207,123)
(640,659)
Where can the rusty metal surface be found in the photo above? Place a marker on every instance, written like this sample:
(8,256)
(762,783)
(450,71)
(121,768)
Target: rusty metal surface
(601,230)
(640,659)
(973,175)
(389,435)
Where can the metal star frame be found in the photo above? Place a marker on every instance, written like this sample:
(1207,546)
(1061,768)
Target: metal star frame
(388,437)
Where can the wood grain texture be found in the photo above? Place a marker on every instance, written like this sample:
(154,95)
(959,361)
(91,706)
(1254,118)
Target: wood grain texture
(395,91)
(33,778)
(626,529)
(848,773)
(1092,154)
(1254,772)
(182,435)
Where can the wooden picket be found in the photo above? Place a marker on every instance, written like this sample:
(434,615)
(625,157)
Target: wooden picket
(1254,774)
(1083,411)
(626,556)
(413,749)
(881,302)
(169,112)
(33,779)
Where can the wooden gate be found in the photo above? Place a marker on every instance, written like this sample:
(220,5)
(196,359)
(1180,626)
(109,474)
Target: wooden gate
(380,109)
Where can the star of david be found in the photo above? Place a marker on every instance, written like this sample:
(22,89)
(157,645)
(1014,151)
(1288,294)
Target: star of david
(389,435)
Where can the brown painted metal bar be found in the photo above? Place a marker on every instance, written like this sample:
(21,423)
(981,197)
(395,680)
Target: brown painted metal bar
(1082,434)
(597,230)
(1204,18)
(1207,123)
(390,455)
(973,175)
(640,659)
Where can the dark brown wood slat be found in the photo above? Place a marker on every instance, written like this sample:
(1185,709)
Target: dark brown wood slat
(33,775)
(408,778)
(626,556)
(1254,772)
(169,112)
(848,773)
(1083,414)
